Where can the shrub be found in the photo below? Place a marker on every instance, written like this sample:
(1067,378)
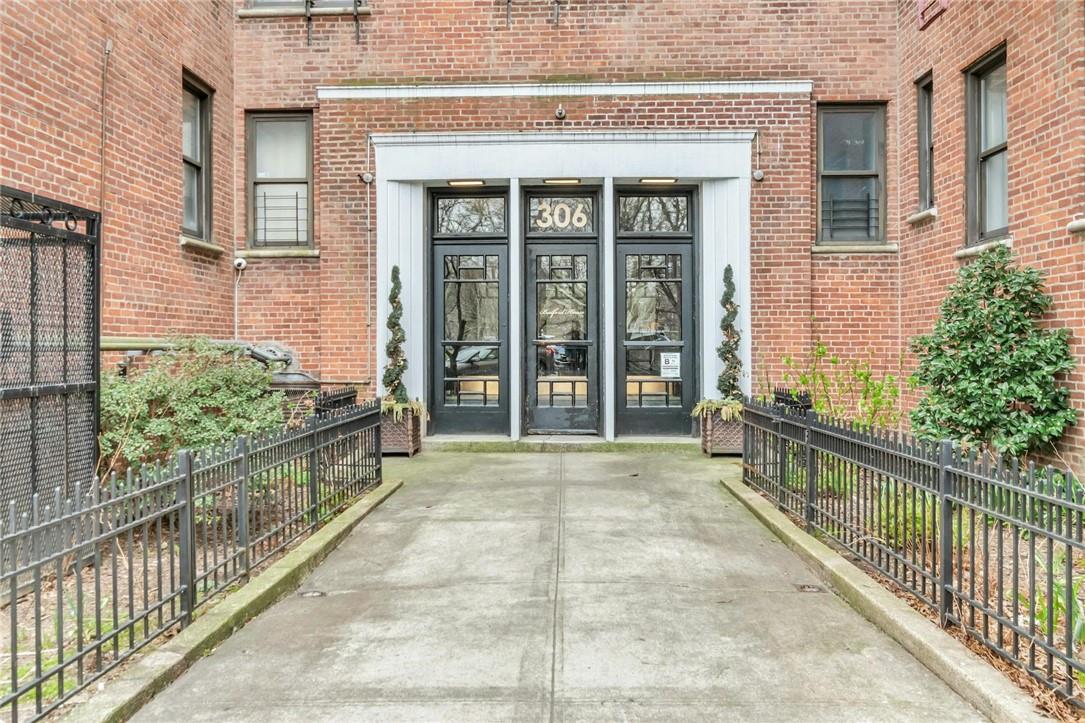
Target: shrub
(988,370)
(196,394)
(844,389)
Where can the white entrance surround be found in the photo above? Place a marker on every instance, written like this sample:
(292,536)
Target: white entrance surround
(717,161)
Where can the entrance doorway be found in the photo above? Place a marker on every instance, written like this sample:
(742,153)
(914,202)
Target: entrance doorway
(561,310)
(655,312)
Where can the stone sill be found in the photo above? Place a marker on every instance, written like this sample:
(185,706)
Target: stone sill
(1076,226)
(299,253)
(195,244)
(819,249)
(970,251)
(296,12)
(923,215)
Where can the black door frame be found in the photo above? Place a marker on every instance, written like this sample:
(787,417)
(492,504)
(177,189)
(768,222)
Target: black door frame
(658,420)
(446,418)
(562,420)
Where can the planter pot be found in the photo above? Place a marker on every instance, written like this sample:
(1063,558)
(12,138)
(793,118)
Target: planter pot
(720,437)
(404,436)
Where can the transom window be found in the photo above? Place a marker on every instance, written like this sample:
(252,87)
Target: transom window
(195,158)
(280,179)
(988,192)
(851,173)
(653,214)
(469,216)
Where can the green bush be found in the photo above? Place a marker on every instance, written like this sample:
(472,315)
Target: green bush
(988,370)
(843,388)
(196,394)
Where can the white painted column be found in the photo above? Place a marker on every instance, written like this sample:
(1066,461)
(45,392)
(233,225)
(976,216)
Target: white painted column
(516,312)
(606,308)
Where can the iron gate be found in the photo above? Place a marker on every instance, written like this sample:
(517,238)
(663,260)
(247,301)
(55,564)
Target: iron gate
(49,254)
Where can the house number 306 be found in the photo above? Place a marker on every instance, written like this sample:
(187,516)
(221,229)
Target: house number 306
(561,216)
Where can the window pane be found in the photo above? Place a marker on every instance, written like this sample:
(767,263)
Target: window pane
(849,208)
(191,198)
(471,307)
(281,149)
(563,310)
(470,215)
(644,384)
(281,213)
(562,376)
(190,126)
(653,305)
(994,214)
(653,214)
(557,214)
(471,377)
(993,108)
(849,141)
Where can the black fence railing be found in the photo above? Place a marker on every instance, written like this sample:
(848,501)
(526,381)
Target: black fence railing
(92,577)
(49,254)
(986,544)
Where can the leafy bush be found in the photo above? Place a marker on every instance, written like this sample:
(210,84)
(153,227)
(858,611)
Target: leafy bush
(844,389)
(988,369)
(194,395)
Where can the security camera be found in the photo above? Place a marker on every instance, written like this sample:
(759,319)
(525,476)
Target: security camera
(560,112)
(240,263)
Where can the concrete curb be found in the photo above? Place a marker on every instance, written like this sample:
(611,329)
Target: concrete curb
(990,692)
(148,673)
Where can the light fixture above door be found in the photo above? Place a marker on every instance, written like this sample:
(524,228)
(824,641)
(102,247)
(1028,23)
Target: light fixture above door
(466,183)
(562,181)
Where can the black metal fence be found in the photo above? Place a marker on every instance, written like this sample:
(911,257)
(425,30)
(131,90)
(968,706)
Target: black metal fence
(986,544)
(48,345)
(93,577)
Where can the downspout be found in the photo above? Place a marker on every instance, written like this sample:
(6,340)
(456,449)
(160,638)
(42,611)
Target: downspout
(107,51)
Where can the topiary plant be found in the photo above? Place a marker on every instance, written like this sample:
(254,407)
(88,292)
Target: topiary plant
(394,388)
(727,384)
(988,369)
(729,405)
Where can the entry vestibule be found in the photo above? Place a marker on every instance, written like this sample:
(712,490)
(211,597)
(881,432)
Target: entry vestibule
(590,307)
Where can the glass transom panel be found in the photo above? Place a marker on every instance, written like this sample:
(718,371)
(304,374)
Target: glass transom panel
(653,214)
(561,214)
(470,215)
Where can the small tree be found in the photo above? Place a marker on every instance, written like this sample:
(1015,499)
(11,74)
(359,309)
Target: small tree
(394,387)
(989,370)
(728,349)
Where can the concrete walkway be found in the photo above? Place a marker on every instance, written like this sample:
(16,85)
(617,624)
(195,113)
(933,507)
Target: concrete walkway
(577,586)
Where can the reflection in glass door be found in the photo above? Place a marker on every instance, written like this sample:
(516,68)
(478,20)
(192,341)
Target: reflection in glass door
(656,353)
(469,388)
(562,335)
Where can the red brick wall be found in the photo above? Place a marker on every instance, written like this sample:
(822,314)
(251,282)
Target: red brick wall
(1045,64)
(51,59)
(845,48)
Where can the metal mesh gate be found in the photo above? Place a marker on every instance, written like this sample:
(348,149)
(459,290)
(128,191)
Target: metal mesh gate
(48,347)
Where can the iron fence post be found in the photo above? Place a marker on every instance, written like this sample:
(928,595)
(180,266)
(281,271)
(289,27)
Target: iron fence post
(314,473)
(945,532)
(187,523)
(378,464)
(243,501)
(811,470)
(781,461)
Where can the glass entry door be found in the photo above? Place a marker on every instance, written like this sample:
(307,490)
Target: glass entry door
(562,334)
(469,291)
(656,354)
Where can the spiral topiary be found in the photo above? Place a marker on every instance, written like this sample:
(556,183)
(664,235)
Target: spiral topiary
(728,349)
(397,359)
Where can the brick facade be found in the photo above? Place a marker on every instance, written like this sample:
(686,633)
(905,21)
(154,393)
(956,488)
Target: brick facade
(322,307)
